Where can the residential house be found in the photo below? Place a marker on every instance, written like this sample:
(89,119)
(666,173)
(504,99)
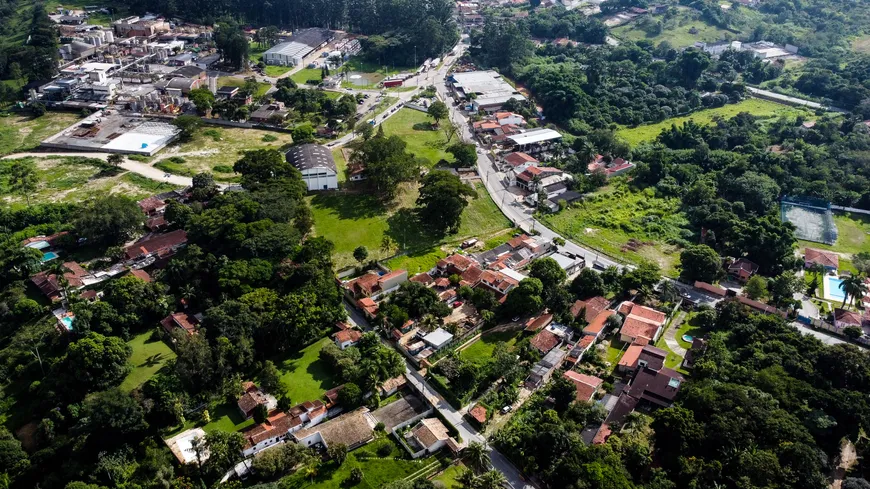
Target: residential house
(533,177)
(266,434)
(610,167)
(640,322)
(575,354)
(760,306)
(509,118)
(429,435)
(374,285)
(828,259)
(156,246)
(253,396)
(545,341)
(438,339)
(346,338)
(542,370)
(519,162)
(596,327)
(423,278)
(844,319)
(567,262)
(589,308)
(152,206)
(455,264)
(711,289)
(368,306)
(48,284)
(539,322)
(485,127)
(642,356)
(498,283)
(585,385)
(180,321)
(650,389)
(352,429)
(742,269)
(391,386)
(271,112)
(478,413)
(227,92)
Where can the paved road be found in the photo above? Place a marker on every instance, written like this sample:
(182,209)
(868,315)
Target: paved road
(825,338)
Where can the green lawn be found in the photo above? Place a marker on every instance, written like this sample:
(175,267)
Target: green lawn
(305,375)
(615,350)
(363,66)
(689,327)
(147,358)
(853,235)
(615,214)
(20,132)
(481,350)
(340,164)
(754,106)
(376,471)
(415,128)
(302,76)
(65,179)
(448,477)
(351,220)
(220,146)
(230,81)
(675,30)
(274,70)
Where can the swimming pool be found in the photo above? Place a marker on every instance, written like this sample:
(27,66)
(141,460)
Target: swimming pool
(67,322)
(48,256)
(688,338)
(835,288)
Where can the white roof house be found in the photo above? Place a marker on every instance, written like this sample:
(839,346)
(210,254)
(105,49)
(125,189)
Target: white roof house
(535,136)
(438,338)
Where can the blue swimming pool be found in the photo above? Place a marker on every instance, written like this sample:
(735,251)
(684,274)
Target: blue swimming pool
(835,288)
(67,322)
(688,338)
(48,256)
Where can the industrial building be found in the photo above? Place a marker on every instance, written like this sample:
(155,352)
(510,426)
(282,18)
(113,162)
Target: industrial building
(110,132)
(316,164)
(298,47)
(490,89)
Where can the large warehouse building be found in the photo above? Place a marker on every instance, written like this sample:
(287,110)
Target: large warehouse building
(490,89)
(298,47)
(316,164)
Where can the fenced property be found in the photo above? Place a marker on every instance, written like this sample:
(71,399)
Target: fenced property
(811,217)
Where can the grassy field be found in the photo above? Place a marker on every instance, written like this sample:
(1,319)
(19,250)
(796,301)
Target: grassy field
(213,146)
(229,81)
(615,350)
(448,477)
(340,164)
(306,377)
(75,179)
(481,350)
(147,358)
(609,218)
(20,132)
(861,44)
(853,237)
(682,28)
(351,220)
(754,106)
(302,76)
(415,128)
(376,471)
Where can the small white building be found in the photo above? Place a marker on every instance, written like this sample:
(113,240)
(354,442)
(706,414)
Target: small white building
(316,164)
(438,339)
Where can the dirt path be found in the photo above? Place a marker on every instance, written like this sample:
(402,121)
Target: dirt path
(847,459)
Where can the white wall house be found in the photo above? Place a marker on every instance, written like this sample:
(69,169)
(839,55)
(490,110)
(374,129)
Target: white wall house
(316,164)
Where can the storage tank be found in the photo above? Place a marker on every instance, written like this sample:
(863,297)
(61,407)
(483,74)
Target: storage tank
(110,36)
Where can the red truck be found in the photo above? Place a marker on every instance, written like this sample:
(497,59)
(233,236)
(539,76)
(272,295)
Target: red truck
(392,83)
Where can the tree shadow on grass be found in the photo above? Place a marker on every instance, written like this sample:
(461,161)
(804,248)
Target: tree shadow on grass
(152,360)
(423,126)
(350,206)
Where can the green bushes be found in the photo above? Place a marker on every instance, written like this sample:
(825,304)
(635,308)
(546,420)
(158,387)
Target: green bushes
(224,169)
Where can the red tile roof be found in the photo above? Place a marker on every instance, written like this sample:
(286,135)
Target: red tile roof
(636,328)
(423,278)
(471,276)
(348,335)
(602,435)
(760,306)
(517,241)
(141,274)
(597,325)
(713,289)
(518,158)
(179,320)
(824,258)
(160,244)
(478,412)
(629,358)
(545,341)
(847,317)
(585,385)
(150,205)
(593,307)
(539,322)
(642,313)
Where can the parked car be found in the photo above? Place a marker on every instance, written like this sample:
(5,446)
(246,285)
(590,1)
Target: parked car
(468,243)
(457,304)
(506,409)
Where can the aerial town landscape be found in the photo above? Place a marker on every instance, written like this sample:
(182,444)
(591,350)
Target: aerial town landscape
(525,244)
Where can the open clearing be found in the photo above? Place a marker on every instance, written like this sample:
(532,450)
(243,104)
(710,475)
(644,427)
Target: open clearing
(351,220)
(20,132)
(302,76)
(481,350)
(73,179)
(415,128)
(754,106)
(675,30)
(853,237)
(147,359)
(652,222)
(215,147)
(306,376)
(861,44)
(376,471)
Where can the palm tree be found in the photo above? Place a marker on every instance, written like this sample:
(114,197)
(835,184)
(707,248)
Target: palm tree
(635,421)
(854,288)
(477,456)
(467,479)
(669,292)
(492,479)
